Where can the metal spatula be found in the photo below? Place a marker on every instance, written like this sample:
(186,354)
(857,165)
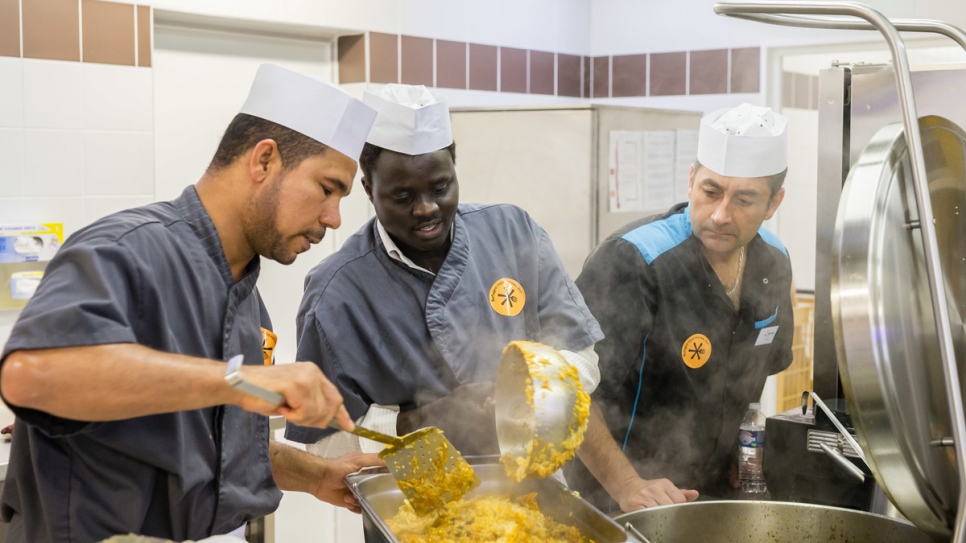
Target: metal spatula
(427,467)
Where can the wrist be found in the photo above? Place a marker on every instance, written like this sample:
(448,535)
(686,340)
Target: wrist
(623,486)
(218,389)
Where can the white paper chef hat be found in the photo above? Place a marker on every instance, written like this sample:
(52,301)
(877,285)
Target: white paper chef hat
(311,107)
(746,141)
(412,120)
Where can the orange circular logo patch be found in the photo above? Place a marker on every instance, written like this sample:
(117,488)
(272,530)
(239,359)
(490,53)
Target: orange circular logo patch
(696,351)
(507,297)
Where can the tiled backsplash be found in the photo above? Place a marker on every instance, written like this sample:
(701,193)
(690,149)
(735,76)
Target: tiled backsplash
(799,91)
(394,58)
(76,110)
(88,31)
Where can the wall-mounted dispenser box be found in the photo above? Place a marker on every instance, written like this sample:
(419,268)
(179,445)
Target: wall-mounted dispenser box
(24,253)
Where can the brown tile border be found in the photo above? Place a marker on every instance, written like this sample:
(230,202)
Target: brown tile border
(383,58)
(450,64)
(542,72)
(51,29)
(585,76)
(9,28)
(568,75)
(416,55)
(630,75)
(144,36)
(483,67)
(668,74)
(814,101)
(600,79)
(745,70)
(513,70)
(709,72)
(352,58)
(108,32)
(802,89)
(788,89)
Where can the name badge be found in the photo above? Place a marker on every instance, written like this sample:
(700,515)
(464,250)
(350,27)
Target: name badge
(766,336)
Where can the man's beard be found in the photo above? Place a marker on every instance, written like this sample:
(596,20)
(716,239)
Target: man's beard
(263,233)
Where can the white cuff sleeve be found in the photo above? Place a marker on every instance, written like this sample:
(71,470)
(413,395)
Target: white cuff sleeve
(381,418)
(586,363)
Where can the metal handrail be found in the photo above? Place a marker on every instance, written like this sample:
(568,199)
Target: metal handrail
(927,26)
(910,118)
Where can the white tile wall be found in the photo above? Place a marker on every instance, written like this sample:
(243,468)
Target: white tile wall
(486,20)
(86,146)
(52,162)
(11,92)
(383,15)
(117,98)
(11,162)
(441,19)
(52,95)
(96,207)
(528,24)
(118,163)
(11,210)
(69,211)
(573,28)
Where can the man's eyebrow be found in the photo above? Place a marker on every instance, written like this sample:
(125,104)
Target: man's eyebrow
(343,188)
(711,182)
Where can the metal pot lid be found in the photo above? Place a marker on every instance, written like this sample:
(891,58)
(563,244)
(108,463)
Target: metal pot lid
(888,352)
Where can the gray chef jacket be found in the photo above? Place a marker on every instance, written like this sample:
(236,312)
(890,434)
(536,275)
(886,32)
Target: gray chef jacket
(156,276)
(387,334)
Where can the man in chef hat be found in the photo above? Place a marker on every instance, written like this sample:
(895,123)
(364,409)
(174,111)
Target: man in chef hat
(410,317)
(115,369)
(695,307)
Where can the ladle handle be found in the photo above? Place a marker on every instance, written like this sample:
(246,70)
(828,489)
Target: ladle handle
(630,528)
(366,433)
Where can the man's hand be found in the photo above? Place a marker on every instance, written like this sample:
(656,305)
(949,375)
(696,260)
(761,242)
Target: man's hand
(310,398)
(638,493)
(331,481)
(467,418)
(324,478)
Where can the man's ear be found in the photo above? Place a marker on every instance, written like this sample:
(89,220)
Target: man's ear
(263,160)
(367,185)
(690,181)
(776,201)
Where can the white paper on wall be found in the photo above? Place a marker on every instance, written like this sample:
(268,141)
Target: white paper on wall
(685,152)
(626,175)
(657,162)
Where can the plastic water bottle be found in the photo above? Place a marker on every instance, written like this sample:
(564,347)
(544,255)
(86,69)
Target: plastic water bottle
(751,451)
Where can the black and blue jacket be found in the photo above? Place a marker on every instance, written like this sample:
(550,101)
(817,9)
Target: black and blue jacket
(679,365)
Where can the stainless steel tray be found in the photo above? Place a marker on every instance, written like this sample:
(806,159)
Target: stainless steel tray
(768,522)
(380,499)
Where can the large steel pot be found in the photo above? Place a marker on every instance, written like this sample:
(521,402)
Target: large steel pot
(768,522)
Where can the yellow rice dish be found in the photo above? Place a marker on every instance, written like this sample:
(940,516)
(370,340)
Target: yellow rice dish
(443,485)
(483,519)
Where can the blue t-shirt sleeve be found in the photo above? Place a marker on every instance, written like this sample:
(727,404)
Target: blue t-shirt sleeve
(88,296)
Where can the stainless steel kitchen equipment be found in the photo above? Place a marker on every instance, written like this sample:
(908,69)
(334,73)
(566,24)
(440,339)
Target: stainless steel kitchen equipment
(380,500)
(550,159)
(538,424)
(753,521)
(886,297)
